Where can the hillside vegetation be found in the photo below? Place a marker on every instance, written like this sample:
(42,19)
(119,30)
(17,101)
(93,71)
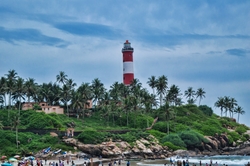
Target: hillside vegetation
(178,127)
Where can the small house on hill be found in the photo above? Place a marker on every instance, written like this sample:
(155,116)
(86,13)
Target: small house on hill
(45,107)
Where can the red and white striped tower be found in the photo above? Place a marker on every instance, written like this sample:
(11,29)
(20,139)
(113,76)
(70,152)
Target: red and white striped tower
(128,69)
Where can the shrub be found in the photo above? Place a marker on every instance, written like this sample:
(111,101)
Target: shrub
(211,126)
(143,120)
(161,126)
(241,130)
(172,146)
(91,136)
(174,139)
(234,135)
(246,136)
(206,110)
(180,127)
(37,107)
(192,138)
(128,137)
(157,134)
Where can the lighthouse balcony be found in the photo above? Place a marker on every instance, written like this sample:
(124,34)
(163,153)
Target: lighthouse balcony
(127,49)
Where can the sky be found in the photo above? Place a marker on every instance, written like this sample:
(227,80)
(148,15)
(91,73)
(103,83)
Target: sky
(199,44)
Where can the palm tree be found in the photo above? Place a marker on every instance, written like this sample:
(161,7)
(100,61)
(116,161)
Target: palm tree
(226,104)
(30,88)
(18,93)
(67,92)
(166,112)
(161,87)
(239,110)
(1,125)
(173,94)
(200,93)
(115,92)
(16,122)
(66,96)
(61,77)
(11,80)
(77,101)
(152,82)
(220,104)
(97,89)
(232,105)
(189,93)
(3,89)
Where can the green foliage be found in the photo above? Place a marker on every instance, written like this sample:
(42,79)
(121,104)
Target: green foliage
(142,121)
(128,137)
(241,130)
(175,139)
(206,110)
(172,146)
(161,126)
(92,136)
(234,135)
(180,127)
(37,107)
(211,127)
(246,136)
(41,120)
(192,138)
(157,134)
(28,142)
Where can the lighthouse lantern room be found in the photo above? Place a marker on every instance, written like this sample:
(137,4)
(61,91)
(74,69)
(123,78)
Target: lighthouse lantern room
(128,69)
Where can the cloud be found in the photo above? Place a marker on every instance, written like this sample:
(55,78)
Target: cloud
(32,36)
(177,39)
(238,52)
(88,29)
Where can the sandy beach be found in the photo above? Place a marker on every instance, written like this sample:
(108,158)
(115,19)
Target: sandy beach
(79,162)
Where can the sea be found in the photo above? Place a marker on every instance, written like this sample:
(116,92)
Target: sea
(230,160)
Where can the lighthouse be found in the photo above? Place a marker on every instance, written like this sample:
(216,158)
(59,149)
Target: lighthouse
(128,69)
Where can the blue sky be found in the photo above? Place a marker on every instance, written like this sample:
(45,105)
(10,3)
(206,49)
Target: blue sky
(199,44)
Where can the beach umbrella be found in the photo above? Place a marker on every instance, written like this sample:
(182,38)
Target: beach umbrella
(3,157)
(12,159)
(16,156)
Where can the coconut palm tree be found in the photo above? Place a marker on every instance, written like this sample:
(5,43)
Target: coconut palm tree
(3,89)
(189,93)
(173,94)
(1,125)
(65,96)
(152,82)
(97,89)
(30,88)
(67,92)
(61,77)
(77,101)
(161,87)
(220,104)
(239,110)
(226,104)
(167,113)
(200,93)
(232,105)
(16,122)
(11,80)
(115,92)
(19,92)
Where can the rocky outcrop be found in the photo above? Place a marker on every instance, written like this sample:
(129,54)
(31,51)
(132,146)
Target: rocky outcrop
(150,148)
(143,147)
